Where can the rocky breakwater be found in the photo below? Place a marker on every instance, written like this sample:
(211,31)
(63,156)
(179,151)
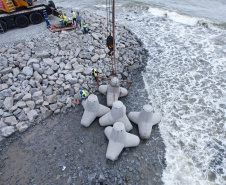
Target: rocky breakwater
(39,77)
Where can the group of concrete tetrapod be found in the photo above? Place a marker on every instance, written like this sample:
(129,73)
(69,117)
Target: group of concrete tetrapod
(118,135)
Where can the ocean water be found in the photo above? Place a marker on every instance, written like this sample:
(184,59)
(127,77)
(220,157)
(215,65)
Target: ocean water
(185,78)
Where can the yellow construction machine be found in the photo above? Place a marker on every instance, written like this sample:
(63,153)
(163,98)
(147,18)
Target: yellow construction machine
(21,13)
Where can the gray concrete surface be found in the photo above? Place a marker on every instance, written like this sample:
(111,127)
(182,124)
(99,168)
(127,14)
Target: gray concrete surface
(116,114)
(145,119)
(119,139)
(92,110)
(113,91)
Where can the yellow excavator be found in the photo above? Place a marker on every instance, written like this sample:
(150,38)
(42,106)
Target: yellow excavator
(20,13)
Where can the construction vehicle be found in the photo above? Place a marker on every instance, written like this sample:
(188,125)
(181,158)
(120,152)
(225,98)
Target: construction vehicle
(20,13)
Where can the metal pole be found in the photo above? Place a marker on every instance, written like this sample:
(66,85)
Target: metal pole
(113,22)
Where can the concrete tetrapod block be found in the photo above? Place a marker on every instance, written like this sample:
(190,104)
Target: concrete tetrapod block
(113,91)
(92,110)
(119,139)
(145,119)
(117,114)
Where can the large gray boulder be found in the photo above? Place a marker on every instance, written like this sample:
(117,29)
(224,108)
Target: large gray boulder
(6,70)
(8,103)
(78,68)
(63,44)
(22,126)
(32,61)
(8,131)
(18,96)
(94,35)
(6,92)
(21,104)
(32,115)
(12,51)
(51,98)
(95,58)
(16,71)
(27,97)
(38,77)
(42,54)
(46,112)
(55,67)
(30,104)
(48,91)
(3,62)
(37,95)
(28,71)
(22,116)
(48,61)
(49,71)
(11,120)
(77,52)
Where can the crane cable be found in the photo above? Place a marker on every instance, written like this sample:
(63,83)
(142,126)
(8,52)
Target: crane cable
(108,11)
(110,37)
(107,14)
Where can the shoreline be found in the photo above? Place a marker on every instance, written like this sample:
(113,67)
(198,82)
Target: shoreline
(128,70)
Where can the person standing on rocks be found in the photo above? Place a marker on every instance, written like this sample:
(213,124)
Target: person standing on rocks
(95,73)
(73,16)
(85,27)
(78,20)
(83,94)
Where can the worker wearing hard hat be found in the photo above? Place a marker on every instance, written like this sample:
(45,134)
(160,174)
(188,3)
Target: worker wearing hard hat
(65,19)
(46,19)
(73,17)
(61,19)
(83,94)
(84,24)
(69,22)
(95,73)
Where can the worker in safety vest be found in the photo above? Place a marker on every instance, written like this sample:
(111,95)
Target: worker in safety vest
(65,19)
(69,22)
(61,19)
(84,27)
(73,16)
(95,73)
(46,19)
(83,94)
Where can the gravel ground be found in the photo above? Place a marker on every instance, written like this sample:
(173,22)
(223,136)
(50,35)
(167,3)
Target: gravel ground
(16,35)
